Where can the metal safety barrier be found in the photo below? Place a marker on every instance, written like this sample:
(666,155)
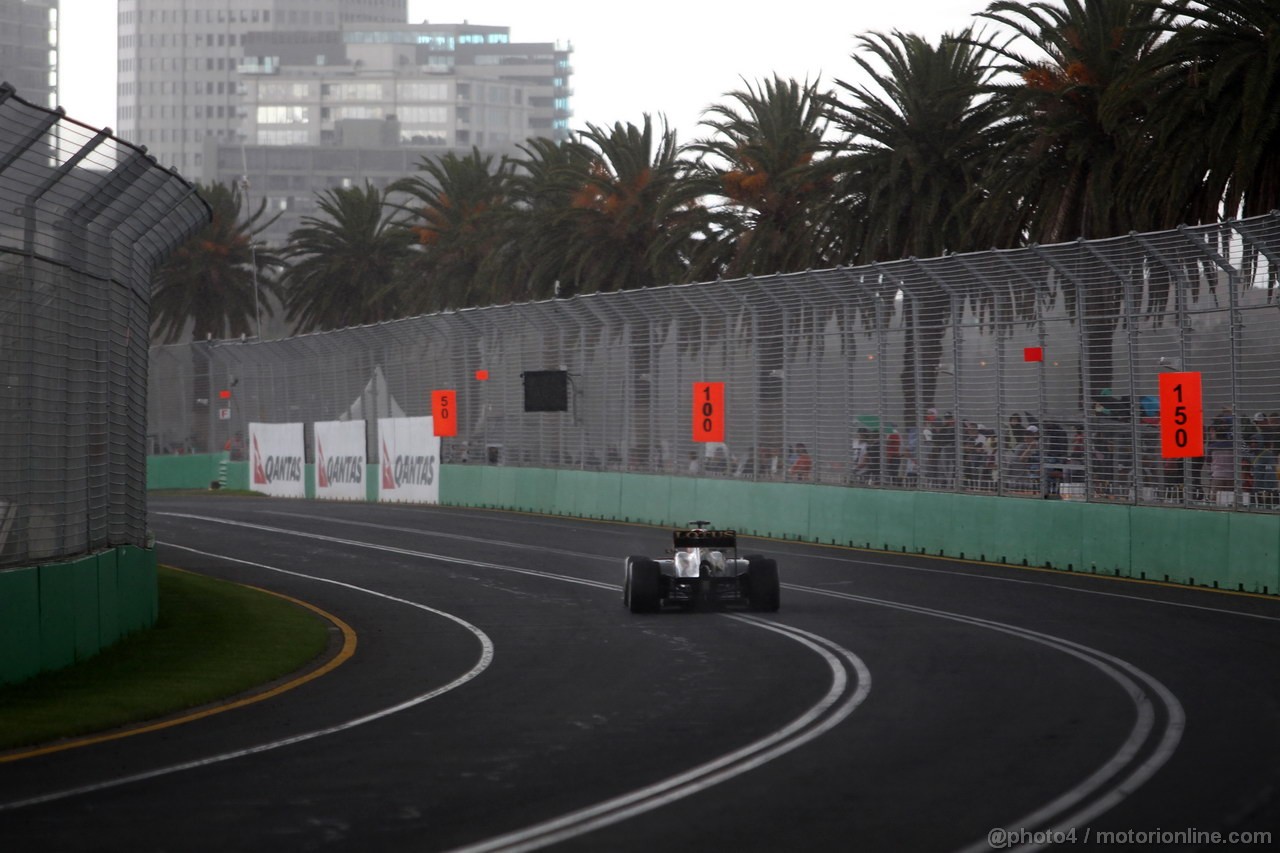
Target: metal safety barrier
(84,218)
(1029,372)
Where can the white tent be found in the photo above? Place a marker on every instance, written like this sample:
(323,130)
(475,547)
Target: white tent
(375,401)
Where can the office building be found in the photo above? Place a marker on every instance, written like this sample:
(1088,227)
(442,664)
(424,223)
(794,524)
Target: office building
(178,60)
(29,49)
(368,103)
(309,105)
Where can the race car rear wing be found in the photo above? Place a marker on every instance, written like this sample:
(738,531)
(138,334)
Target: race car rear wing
(706,538)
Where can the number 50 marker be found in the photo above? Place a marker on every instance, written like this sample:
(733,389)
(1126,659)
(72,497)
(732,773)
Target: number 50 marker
(444,412)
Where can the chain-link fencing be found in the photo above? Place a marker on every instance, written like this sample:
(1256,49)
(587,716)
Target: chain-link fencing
(84,218)
(1028,372)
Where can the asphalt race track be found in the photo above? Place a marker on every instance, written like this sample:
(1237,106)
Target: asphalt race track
(501,698)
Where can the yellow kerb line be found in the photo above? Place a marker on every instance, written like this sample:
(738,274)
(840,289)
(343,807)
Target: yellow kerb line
(344,654)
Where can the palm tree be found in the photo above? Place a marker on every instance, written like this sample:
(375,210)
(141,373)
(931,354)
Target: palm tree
(761,161)
(544,186)
(912,169)
(1077,114)
(1217,122)
(345,262)
(461,230)
(1077,137)
(918,143)
(634,219)
(210,283)
(210,286)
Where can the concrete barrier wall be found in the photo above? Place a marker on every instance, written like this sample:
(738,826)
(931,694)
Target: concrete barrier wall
(55,614)
(1229,550)
(189,471)
(199,470)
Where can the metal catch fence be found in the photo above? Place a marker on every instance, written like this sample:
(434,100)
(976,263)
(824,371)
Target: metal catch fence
(84,217)
(1029,372)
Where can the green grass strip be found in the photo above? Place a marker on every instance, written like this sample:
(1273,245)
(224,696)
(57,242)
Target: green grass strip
(213,640)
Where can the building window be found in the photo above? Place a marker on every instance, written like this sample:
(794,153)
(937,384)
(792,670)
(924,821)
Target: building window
(423,91)
(282,91)
(282,137)
(423,137)
(423,115)
(358,92)
(357,112)
(282,114)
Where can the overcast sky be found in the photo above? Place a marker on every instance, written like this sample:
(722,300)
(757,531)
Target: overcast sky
(674,58)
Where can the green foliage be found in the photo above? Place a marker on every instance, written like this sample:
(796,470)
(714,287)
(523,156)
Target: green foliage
(1074,118)
(208,284)
(460,226)
(1216,122)
(762,161)
(345,262)
(1075,113)
(916,149)
(633,219)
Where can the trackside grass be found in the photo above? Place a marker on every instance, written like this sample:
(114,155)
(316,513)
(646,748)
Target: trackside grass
(213,640)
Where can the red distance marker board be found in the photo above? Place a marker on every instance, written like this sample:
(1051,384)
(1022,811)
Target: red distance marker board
(708,411)
(1181,415)
(444,414)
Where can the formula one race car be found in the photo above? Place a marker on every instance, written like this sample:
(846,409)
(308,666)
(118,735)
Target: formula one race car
(704,568)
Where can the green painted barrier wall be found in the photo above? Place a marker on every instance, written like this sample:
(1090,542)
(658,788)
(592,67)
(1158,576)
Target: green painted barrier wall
(55,614)
(1232,550)
(1229,550)
(197,472)
(191,471)
(19,624)
(238,475)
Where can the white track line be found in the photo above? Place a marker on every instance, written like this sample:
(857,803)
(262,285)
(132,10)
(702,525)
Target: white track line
(486,658)
(443,558)
(852,559)
(974,575)
(1114,668)
(838,703)
(835,706)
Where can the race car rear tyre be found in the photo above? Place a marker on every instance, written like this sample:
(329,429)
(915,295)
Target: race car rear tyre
(764,592)
(642,589)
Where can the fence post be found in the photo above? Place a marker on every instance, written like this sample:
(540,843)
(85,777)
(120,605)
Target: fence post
(1086,380)
(1180,309)
(907,293)
(1134,443)
(1233,343)
(957,432)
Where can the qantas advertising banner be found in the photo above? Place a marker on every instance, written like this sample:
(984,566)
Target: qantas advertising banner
(340,458)
(409,454)
(275,454)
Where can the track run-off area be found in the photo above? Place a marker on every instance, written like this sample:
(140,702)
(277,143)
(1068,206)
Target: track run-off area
(500,697)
